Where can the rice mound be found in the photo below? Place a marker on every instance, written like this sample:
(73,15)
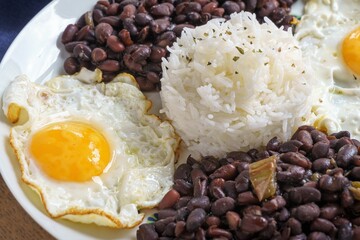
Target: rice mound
(233,85)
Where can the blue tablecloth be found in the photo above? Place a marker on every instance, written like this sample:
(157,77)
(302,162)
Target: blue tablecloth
(14,14)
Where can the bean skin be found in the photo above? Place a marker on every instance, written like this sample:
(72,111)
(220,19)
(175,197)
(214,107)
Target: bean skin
(98,55)
(199,202)
(102,32)
(323,225)
(226,172)
(296,159)
(71,65)
(253,224)
(302,195)
(69,33)
(169,199)
(345,154)
(222,205)
(306,213)
(109,66)
(196,218)
(147,232)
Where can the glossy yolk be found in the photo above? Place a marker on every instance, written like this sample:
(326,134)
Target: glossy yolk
(70,151)
(351,51)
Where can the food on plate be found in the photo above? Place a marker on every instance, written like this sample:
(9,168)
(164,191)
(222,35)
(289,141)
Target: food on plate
(132,36)
(317,194)
(233,84)
(90,150)
(329,38)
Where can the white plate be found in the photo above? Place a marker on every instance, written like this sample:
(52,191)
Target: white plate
(36,52)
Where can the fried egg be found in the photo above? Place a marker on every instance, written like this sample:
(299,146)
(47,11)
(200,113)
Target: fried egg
(90,150)
(329,35)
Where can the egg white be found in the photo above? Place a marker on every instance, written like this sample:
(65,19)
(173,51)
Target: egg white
(321,31)
(141,169)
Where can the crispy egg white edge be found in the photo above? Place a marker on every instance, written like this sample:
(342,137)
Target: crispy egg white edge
(86,215)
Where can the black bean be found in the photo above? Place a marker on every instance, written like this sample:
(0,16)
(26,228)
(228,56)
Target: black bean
(213,220)
(318,236)
(242,182)
(163,9)
(169,200)
(345,154)
(200,234)
(247,198)
(322,225)
(69,33)
(320,150)
(215,232)
(293,174)
(160,25)
(298,237)
(182,202)
(345,232)
(165,39)
(295,226)
(342,142)
(239,155)
(230,189)
(183,171)
(169,230)
(301,195)
(195,219)
(161,224)
(304,136)
(226,172)
(230,7)
(128,12)
(252,224)
(182,214)
(318,136)
(102,32)
(146,232)
(180,27)
(347,199)
(331,184)
(222,205)
(290,146)
(199,202)
(274,204)
(183,187)
(179,228)
(165,213)
(306,213)
(200,187)
(192,7)
(321,165)
(98,55)
(284,215)
(296,159)
(71,65)
(233,220)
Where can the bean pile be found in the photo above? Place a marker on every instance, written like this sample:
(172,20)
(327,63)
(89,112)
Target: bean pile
(314,199)
(132,35)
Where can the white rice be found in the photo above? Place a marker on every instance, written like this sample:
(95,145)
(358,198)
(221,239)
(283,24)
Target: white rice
(234,85)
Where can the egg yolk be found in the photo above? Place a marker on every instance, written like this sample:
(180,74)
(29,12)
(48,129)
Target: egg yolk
(351,51)
(70,151)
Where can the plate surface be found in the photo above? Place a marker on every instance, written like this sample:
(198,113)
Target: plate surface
(37,53)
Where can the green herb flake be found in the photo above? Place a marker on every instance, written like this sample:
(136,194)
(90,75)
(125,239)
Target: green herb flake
(209,63)
(236,72)
(240,50)
(206,34)
(266,63)
(293,65)
(228,32)
(235,58)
